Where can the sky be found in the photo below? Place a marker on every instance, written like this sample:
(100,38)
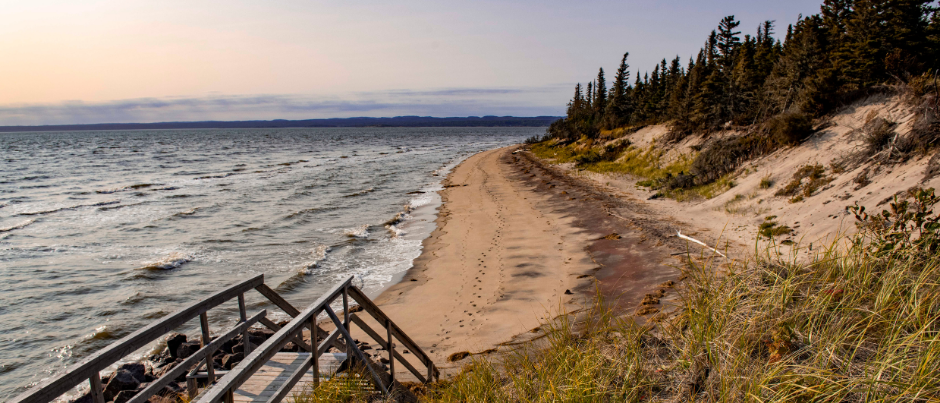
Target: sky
(103,61)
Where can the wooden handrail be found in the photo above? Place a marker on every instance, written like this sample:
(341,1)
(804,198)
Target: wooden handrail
(384,344)
(229,381)
(260,356)
(88,368)
(370,307)
(199,355)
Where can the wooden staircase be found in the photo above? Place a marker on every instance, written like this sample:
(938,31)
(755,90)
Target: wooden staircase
(265,374)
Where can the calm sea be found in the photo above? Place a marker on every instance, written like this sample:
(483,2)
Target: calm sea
(104,232)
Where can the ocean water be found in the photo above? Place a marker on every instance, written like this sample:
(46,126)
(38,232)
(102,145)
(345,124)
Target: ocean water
(104,232)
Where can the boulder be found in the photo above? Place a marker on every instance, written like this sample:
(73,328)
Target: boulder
(121,380)
(258,336)
(173,343)
(137,370)
(228,345)
(231,360)
(290,347)
(187,349)
(124,395)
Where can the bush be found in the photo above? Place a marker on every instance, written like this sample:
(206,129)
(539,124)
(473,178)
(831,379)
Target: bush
(789,128)
(723,156)
(877,135)
(766,182)
(815,178)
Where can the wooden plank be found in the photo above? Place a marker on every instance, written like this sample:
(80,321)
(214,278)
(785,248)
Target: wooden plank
(278,370)
(375,336)
(243,316)
(289,383)
(210,367)
(266,350)
(96,390)
(171,375)
(380,316)
(54,387)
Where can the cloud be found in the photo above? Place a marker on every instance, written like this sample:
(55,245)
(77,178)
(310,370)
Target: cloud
(526,101)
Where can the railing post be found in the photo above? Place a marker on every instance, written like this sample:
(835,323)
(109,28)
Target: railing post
(243,313)
(210,370)
(391,353)
(314,350)
(349,355)
(97,391)
(229,396)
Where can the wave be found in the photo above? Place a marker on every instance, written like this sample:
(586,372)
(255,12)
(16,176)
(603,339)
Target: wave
(360,193)
(392,225)
(287,164)
(106,208)
(17,226)
(174,260)
(42,212)
(186,213)
(126,188)
(314,210)
(361,231)
(318,254)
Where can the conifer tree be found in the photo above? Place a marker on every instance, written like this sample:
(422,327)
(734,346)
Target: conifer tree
(600,93)
(619,110)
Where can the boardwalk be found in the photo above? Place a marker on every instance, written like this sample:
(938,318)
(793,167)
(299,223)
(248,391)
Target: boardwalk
(262,385)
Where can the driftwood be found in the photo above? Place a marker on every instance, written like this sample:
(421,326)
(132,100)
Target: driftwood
(690,239)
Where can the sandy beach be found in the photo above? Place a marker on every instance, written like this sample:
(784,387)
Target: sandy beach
(515,244)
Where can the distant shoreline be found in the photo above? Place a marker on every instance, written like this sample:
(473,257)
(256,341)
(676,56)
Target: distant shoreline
(398,121)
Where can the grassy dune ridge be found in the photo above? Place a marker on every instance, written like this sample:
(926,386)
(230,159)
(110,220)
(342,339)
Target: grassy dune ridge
(858,322)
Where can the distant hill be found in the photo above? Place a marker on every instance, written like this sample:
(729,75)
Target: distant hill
(398,121)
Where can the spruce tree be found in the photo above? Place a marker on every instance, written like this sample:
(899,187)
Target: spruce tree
(600,93)
(618,110)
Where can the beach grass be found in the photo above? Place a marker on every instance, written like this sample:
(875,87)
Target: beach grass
(856,322)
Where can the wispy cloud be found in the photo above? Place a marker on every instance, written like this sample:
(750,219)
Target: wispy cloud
(528,101)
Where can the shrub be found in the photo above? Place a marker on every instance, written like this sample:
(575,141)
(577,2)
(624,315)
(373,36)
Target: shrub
(723,156)
(770,229)
(908,226)
(766,182)
(806,181)
(789,128)
(877,135)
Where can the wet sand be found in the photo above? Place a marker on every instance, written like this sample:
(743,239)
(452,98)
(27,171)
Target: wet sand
(515,244)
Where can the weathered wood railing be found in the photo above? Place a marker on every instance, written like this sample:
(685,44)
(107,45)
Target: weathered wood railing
(89,368)
(224,390)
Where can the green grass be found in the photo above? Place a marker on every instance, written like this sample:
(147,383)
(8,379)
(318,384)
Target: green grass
(706,191)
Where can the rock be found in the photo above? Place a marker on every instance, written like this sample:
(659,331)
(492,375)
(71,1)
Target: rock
(240,348)
(258,336)
(568,292)
(173,343)
(231,360)
(187,349)
(124,395)
(138,370)
(290,347)
(228,346)
(86,398)
(121,380)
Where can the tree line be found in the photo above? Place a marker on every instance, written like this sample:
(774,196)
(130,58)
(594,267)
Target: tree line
(823,60)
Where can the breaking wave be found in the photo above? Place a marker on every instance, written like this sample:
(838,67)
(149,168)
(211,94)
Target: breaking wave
(21,225)
(174,260)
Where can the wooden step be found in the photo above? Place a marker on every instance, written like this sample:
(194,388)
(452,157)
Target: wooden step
(263,383)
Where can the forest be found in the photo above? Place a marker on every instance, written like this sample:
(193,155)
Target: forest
(770,87)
